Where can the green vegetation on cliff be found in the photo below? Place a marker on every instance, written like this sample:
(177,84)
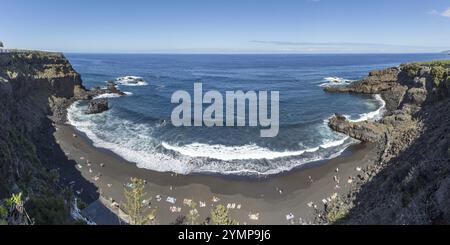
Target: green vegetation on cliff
(443,63)
(438,73)
(438,70)
(411,69)
(410,181)
(28,80)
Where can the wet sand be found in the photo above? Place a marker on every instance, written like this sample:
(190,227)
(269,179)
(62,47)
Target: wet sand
(273,197)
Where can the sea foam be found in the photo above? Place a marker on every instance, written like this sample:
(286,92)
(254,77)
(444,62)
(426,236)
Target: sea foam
(335,81)
(133,142)
(374,115)
(111,95)
(131,81)
(145,157)
(228,153)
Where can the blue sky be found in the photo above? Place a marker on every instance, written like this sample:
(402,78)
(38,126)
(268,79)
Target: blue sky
(227,26)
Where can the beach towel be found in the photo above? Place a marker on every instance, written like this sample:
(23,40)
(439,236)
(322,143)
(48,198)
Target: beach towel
(187,202)
(290,217)
(253,216)
(172,200)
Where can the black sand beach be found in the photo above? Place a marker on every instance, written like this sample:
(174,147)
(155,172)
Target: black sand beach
(272,197)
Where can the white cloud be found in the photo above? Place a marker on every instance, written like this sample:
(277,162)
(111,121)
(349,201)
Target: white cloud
(434,12)
(446,13)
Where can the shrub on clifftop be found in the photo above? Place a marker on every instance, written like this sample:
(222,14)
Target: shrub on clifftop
(411,69)
(438,73)
(443,63)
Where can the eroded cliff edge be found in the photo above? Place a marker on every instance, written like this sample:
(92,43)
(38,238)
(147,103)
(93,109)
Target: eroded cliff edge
(410,184)
(35,87)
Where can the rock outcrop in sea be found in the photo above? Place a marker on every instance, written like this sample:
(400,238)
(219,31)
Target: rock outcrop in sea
(96,106)
(410,184)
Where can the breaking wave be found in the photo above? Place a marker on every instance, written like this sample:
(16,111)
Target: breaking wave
(131,81)
(335,81)
(111,95)
(135,143)
(374,115)
(228,153)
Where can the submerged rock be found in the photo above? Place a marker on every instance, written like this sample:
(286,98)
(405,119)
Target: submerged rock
(97,106)
(112,87)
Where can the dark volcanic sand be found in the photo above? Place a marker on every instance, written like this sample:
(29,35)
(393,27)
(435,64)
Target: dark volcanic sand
(255,195)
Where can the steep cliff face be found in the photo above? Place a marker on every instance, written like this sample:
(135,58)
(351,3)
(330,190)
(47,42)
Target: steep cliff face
(411,182)
(30,83)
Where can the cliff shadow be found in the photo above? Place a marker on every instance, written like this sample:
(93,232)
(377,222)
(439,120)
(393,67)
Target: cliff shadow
(414,186)
(55,158)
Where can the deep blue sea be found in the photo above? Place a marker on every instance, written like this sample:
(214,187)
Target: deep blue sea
(135,127)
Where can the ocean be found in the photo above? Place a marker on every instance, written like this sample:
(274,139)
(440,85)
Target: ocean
(137,127)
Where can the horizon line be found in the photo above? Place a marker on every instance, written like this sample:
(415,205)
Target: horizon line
(244,53)
(234,53)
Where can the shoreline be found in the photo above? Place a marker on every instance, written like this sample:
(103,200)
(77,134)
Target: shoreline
(115,148)
(398,178)
(273,197)
(304,192)
(244,174)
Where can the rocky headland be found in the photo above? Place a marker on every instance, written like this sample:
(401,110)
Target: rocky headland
(410,183)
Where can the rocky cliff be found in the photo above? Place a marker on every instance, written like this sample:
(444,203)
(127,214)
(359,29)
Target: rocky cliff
(410,184)
(32,85)
(35,90)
